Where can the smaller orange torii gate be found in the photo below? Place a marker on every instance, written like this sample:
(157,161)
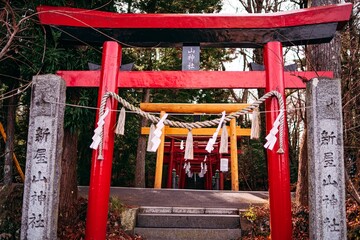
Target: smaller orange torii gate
(235,131)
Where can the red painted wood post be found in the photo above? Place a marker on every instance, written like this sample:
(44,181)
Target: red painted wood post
(183,179)
(221,181)
(181,172)
(208,176)
(100,176)
(210,171)
(278,164)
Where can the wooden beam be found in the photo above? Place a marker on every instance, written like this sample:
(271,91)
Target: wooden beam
(199,150)
(234,156)
(197,131)
(85,18)
(160,159)
(298,27)
(193,108)
(171,163)
(188,79)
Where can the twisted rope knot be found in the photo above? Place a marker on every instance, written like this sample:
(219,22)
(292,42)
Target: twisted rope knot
(207,123)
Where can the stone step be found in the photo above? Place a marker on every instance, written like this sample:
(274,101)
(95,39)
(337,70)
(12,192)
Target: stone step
(187,233)
(189,210)
(202,221)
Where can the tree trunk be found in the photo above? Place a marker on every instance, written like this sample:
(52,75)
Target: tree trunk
(351,188)
(10,133)
(141,149)
(321,57)
(325,57)
(302,197)
(68,181)
(351,99)
(259,58)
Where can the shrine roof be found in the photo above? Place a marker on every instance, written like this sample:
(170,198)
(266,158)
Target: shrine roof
(298,27)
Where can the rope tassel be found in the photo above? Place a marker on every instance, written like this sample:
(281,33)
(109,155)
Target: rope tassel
(182,145)
(151,135)
(212,140)
(271,137)
(224,140)
(255,124)
(97,138)
(120,126)
(189,148)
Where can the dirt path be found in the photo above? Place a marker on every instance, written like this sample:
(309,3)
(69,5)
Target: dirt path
(185,197)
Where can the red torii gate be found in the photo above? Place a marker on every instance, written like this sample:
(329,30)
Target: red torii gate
(271,31)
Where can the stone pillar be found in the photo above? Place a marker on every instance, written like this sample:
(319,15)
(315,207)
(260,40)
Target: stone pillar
(327,218)
(43,158)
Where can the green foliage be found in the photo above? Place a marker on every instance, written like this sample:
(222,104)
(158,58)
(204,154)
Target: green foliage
(259,219)
(116,206)
(10,220)
(250,214)
(125,146)
(252,165)
(80,119)
(114,231)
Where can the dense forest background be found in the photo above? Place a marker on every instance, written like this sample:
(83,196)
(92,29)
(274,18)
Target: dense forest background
(28,49)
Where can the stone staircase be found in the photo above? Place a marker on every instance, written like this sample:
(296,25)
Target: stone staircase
(175,223)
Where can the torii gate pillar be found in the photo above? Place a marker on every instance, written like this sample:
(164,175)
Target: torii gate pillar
(278,163)
(100,175)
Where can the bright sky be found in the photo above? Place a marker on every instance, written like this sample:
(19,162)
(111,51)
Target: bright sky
(231,6)
(235,7)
